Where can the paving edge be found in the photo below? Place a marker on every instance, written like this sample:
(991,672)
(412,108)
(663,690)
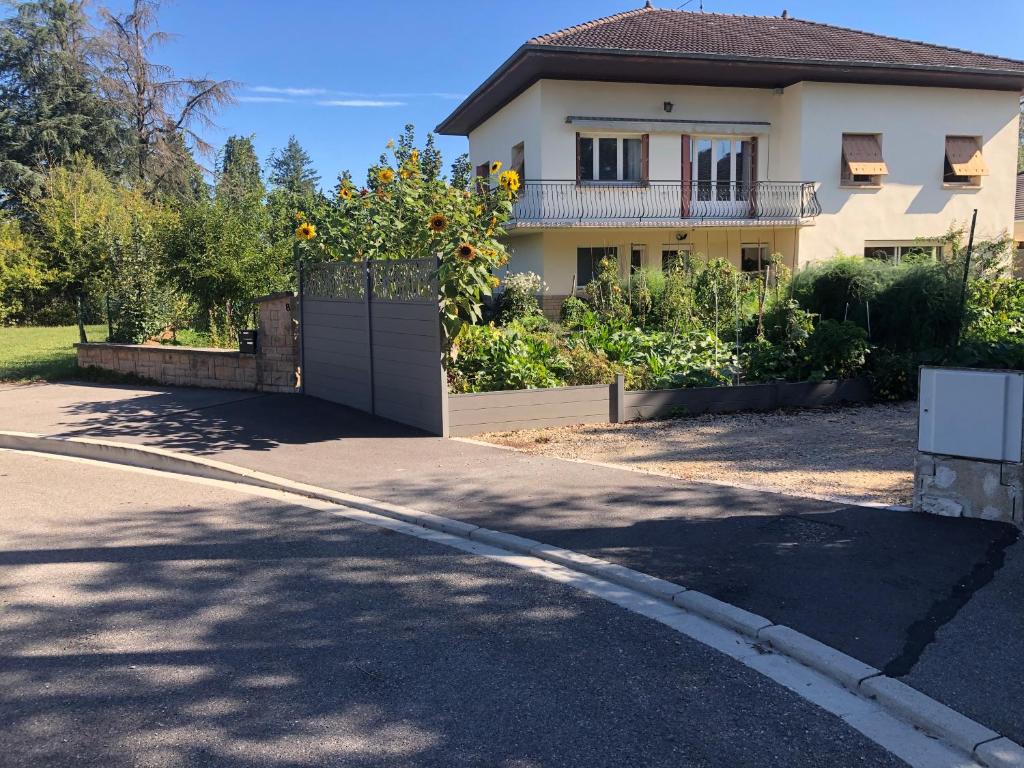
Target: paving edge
(907,704)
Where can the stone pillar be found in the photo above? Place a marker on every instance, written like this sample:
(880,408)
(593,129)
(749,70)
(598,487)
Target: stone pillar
(277,355)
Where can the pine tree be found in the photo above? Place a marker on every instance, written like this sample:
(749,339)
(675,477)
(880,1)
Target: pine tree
(292,170)
(49,97)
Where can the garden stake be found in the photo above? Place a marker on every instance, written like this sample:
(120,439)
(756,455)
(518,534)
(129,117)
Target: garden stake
(963,285)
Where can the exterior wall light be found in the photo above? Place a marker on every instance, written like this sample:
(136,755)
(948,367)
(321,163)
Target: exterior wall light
(668,106)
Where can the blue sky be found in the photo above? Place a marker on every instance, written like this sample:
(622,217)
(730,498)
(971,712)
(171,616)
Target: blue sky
(345,76)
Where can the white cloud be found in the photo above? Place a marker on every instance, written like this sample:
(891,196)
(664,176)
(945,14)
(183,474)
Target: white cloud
(360,103)
(264,99)
(288,91)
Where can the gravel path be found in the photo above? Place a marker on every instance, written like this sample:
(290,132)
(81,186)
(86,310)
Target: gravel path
(864,453)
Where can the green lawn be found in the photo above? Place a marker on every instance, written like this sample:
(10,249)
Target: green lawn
(27,354)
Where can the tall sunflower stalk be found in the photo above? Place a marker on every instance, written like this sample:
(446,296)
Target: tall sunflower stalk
(403,214)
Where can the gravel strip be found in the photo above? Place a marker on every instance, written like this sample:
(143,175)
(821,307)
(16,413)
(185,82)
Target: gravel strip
(865,453)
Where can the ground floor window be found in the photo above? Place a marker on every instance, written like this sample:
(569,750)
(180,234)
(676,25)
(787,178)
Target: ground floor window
(636,257)
(896,253)
(587,260)
(671,258)
(754,257)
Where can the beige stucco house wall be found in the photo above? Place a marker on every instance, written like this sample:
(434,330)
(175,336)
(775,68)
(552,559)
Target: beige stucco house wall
(799,131)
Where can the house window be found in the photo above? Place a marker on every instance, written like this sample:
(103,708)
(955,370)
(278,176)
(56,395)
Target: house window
(672,258)
(519,160)
(587,261)
(483,177)
(862,162)
(895,253)
(754,257)
(721,167)
(963,162)
(636,258)
(604,158)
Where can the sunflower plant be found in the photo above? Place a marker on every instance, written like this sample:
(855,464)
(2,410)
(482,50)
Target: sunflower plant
(402,213)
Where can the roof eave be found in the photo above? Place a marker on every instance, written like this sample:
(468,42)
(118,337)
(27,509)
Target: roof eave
(455,124)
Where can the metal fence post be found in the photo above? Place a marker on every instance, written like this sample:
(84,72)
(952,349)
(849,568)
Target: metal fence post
(617,400)
(302,327)
(368,293)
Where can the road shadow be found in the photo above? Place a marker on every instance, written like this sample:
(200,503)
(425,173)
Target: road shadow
(249,422)
(860,579)
(276,636)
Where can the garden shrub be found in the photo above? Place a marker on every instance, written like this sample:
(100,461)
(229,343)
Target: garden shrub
(585,366)
(640,295)
(836,350)
(605,293)
(519,299)
(995,311)
(487,359)
(893,375)
(573,313)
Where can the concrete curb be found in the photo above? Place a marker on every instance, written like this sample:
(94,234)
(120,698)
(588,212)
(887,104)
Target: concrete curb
(914,707)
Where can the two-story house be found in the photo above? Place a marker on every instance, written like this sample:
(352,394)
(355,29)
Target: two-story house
(660,134)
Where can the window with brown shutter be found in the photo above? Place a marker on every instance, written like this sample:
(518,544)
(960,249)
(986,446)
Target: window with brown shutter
(519,160)
(862,161)
(483,177)
(963,163)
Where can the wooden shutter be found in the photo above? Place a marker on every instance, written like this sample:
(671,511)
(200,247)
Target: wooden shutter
(752,196)
(964,155)
(645,158)
(686,176)
(579,158)
(862,154)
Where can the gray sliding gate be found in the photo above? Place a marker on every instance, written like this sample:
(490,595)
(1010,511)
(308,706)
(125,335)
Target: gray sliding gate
(371,339)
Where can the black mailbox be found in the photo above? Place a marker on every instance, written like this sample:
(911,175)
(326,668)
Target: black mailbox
(247,342)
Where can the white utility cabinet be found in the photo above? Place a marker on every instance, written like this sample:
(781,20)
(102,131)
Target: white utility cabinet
(972,414)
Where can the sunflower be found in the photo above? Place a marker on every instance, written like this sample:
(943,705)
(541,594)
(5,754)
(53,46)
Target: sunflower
(299,215)
(466,251)
(503,260)
(386,176)
(494,281)
(478,210)
(345,193)
(305,231)
(415,156)
(437,223)
(495,166)
(404,173)
(509,180)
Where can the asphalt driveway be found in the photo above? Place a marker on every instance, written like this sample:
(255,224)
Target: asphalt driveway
(151,622)
(885,587)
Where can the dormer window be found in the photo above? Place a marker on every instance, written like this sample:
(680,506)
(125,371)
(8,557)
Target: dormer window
(963,164)
(611,158)
(862,163)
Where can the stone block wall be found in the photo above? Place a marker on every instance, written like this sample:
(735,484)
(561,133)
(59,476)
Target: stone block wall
(956,487)
(274,368)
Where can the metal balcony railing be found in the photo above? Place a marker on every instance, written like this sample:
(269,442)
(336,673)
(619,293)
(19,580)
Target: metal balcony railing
(663,201)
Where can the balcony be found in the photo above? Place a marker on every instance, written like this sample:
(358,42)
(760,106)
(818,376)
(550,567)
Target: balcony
(664,203)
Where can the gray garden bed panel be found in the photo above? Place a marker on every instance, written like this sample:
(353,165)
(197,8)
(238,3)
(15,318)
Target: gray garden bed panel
(648,404)
(474,414)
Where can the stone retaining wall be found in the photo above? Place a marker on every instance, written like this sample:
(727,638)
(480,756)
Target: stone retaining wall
(272,369)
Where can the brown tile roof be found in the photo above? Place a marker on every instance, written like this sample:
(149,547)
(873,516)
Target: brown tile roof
(760,37)
(1018,213)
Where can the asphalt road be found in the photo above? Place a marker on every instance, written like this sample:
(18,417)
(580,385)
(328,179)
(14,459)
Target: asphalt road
(152,622)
